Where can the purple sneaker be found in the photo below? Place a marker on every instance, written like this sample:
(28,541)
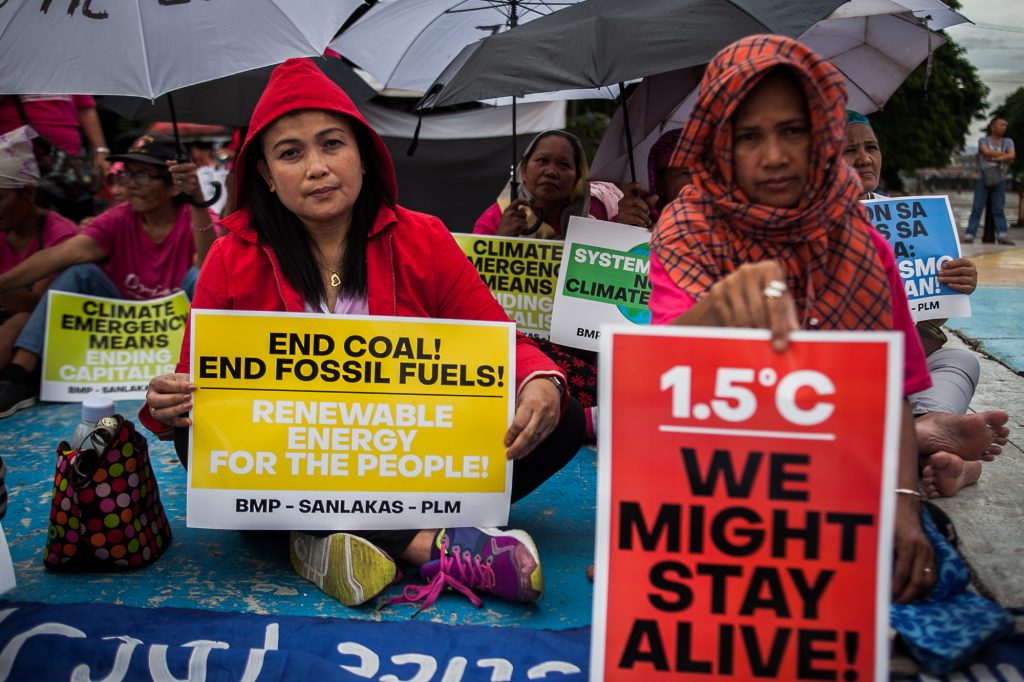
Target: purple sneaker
(480,560)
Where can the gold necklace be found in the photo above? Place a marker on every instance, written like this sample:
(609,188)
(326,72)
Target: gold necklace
(335,279)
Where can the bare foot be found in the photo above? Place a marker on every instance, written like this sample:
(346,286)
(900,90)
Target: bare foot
(946,473)
(971,436)
(590,572)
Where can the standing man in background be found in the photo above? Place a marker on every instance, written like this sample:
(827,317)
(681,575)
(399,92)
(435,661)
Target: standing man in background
(995,153)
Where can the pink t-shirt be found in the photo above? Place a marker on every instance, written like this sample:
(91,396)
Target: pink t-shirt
(668,302)
(56,228)
(55,117)
(138,266)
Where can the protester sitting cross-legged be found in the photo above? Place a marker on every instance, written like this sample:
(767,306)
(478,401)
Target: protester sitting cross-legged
(318,230)
(26,229)
(144,249)
(771,235)
(952,444)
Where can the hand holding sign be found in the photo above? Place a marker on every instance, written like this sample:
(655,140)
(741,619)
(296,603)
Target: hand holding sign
(169,398)
(749,297)
(959,274)
(537,411)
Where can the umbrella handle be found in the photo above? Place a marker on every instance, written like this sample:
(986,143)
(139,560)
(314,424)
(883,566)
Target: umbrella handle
(206,203)
(539,212)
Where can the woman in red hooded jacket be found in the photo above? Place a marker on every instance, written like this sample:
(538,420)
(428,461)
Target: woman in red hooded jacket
(319,230)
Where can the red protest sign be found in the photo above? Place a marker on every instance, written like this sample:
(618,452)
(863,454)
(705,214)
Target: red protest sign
(745,505)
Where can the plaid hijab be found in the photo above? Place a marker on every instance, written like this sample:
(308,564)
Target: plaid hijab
(823,243)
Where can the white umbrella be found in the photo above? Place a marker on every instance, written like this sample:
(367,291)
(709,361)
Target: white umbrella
(406,44)
(146,48)
(876,44)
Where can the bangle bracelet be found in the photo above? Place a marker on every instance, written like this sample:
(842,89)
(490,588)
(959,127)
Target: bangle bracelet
(102,150)
(196,228)
(908,491)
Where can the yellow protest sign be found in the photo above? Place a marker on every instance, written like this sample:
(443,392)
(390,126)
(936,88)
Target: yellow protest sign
(521,273)
(319,422)
(109,345)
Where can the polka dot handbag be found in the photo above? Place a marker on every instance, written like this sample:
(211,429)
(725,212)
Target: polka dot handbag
(106,511)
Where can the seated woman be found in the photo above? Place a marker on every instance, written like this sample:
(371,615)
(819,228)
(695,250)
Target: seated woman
(318,217)
(770,234)
(26,229)
(950,443)
(144,249)
(554,187)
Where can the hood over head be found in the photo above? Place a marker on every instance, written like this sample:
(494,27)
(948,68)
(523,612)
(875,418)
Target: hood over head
(297,85)
(824,244)
(706,145)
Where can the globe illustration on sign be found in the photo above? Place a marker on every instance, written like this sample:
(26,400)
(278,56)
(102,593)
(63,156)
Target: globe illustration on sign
(641,315)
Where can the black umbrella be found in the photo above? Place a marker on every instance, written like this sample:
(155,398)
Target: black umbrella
(224,101)
(598,43)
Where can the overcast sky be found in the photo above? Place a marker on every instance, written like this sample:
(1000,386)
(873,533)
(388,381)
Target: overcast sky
(994,44)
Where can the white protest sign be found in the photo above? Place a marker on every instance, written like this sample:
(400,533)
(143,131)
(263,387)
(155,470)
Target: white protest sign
(603,279)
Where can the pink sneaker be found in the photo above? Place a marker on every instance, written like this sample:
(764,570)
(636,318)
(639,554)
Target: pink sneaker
(479,561)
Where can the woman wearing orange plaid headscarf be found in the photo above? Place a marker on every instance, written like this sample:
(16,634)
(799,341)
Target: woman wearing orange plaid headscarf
(770,233)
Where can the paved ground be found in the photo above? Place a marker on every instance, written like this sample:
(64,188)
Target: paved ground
(990,515)
(249,572)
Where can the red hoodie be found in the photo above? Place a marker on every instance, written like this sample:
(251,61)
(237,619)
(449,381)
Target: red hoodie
(414,267)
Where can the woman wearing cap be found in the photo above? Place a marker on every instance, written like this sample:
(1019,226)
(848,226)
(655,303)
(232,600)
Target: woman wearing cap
(26,229)
(146,248)
(319,230)
(770,234)
(950,441)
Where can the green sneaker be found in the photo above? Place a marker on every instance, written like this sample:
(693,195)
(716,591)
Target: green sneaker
(347,567)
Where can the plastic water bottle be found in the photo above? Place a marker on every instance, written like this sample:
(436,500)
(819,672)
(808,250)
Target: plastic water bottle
(94,408)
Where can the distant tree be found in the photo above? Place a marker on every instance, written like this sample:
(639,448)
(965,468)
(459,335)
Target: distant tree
(1013,111)
(926,119)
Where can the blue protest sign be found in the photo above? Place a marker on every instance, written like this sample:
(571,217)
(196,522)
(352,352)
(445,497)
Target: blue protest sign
(923,236)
